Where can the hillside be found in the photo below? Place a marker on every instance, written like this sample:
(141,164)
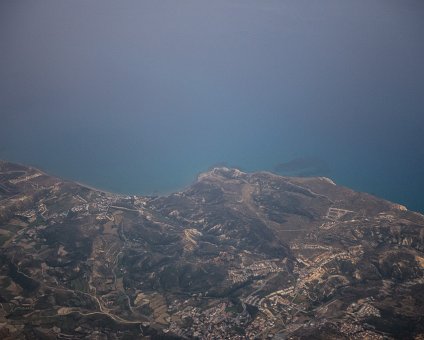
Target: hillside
(234,255)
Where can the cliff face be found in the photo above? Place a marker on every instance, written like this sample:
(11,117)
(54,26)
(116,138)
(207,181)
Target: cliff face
(233,255)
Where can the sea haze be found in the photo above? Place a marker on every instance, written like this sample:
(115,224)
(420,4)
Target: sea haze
(140,96)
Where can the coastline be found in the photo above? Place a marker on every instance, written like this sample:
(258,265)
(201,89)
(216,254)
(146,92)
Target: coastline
(179,189)
(51,174)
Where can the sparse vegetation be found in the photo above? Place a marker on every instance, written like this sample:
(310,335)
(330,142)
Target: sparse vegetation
(235,255)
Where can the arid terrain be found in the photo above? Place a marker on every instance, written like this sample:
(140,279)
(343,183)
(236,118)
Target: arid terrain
(235,255)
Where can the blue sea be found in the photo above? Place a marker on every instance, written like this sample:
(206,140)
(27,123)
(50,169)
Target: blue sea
(139,97)
(154,160)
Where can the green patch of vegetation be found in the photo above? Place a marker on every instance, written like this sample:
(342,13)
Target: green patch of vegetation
(146,310)
(235,309)
(3,239)
(299,299)
(6,281)
(12,228)
(38,221)
(239,330)
(79,284)
(122,301)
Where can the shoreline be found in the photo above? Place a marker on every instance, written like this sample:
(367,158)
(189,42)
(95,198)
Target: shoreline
(81,184)
(179,189)
(51,174)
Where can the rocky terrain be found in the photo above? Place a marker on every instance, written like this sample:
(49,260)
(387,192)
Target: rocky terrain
(235,255)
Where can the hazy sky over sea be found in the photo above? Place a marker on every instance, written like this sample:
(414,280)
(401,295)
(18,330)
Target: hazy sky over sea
(137,96)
